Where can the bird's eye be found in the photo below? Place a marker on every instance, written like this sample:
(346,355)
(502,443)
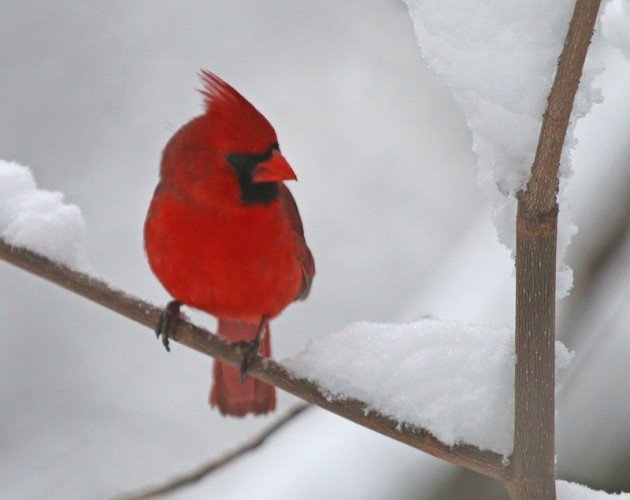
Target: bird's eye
(275,146)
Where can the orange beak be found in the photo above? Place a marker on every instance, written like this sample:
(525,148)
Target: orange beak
(275,169)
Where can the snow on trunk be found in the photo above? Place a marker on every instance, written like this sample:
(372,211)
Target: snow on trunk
(616,24)
(498,58)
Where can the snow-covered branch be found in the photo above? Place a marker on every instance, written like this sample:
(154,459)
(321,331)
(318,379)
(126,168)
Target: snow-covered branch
(267,370)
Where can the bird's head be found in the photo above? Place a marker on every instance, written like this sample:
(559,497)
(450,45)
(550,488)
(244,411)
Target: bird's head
(230,153)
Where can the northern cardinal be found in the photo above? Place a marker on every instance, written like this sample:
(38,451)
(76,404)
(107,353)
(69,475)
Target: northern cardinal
(223,235)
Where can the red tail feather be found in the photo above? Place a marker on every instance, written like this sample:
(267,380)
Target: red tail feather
(228,394)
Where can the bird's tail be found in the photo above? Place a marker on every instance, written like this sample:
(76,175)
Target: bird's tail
(228,393)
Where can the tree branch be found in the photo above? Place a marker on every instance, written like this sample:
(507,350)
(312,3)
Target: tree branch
(533,460)
(539,199)
(208,468)
(265,369)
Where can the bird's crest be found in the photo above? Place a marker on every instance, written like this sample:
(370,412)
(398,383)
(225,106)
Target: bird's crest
(229,107)
(217,92)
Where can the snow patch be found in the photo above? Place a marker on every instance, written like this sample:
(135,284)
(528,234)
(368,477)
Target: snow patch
(454,379)
(39,220)
(573,491)
(616,24)
(499,59)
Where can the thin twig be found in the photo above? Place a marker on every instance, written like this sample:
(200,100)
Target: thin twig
(210,467)
(539,199)
(265,369)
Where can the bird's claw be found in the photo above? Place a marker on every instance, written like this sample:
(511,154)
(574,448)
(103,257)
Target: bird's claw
(167,324)
(249,351)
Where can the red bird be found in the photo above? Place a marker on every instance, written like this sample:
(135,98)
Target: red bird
(223,234)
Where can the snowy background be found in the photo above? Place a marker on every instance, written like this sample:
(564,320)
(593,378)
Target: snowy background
(91,406)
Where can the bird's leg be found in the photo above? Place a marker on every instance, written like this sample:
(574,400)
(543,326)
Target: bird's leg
(167,324)
(250,349)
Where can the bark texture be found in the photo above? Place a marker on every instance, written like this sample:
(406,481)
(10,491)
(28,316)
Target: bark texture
(533,460)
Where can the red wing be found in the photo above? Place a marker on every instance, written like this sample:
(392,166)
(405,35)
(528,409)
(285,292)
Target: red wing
(305,256)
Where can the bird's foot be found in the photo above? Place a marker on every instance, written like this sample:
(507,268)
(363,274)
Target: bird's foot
(249,351)
(167,324)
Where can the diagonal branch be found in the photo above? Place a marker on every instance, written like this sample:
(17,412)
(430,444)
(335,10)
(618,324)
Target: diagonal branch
(267,370)
(208,468)
(539,199)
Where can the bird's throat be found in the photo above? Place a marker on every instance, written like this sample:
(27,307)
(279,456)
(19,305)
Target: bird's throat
(257,194)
